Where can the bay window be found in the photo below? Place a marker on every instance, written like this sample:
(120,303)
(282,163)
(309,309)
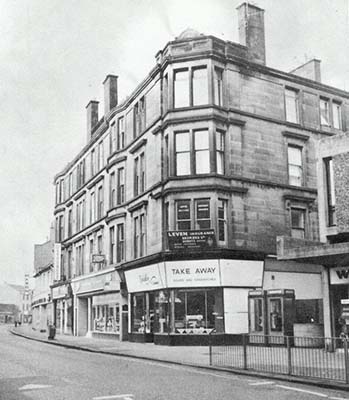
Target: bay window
(200,86)
(220,152)
(182,151)
(218,86)
(202,214)
(201,152)
(191,87)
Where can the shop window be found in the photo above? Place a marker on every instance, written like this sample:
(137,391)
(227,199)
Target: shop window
(256,315)
(330,191)
(183,215)
(121,133)
(197,310)
(298,223)
(111,245)
(138,313)
(120,240)
(291,103)
(201,152)
(112,190)
(161,312)
(337,115)
(309,311)
(220,152)
(182,151)
(295,165)
(324,112)
(106,318)
(202,214)
(222,220)
(275,315)
(218,86)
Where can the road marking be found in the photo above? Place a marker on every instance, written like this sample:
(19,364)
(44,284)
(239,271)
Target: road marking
(338,398)
(302,390)
(33,386)
(116,396)
(261,383)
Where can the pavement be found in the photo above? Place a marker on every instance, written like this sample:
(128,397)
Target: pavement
(193,356)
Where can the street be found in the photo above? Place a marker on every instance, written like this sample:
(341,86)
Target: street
(33,370)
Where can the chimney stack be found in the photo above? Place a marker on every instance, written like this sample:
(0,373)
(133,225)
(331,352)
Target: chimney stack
(251,31)
(110,93)
(92,117)
(310,70)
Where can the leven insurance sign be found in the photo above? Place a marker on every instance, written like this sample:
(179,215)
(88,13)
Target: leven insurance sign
(339,276)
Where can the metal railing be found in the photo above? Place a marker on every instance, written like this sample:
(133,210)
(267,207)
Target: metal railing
(312,357)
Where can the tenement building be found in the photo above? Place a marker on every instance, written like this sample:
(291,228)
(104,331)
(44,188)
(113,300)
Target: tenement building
(43,279)
(168,217)
(333,251)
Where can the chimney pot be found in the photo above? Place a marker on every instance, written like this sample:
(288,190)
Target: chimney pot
(251,31)
(110,93)
(92,117)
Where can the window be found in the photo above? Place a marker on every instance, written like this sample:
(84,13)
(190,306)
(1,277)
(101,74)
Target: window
(165,92)
(139,175)
(183,215)
(181,88)
(112,139)
(202,214)
(121,133)
(100,209)
(190,87)
(59,229)
(291,102)
(135,236)
(182,149)
(111,245)
(298,223)
(120,239)
(139,115)
(69,264)
(330,191)
(337,115)
(222,220)
(70,223)
(93,162)
(218,86)
(92,208)
(200,86)
(91,253)
(100,244)
(121,186)
(70,184)
(80,255)
(295,169)
(142,233)
(324,112)
(80,174)
(100,156)
(112,190)
(202,152)
(220,152)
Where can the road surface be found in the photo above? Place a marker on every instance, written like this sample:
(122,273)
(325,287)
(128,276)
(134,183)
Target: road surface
(35,370)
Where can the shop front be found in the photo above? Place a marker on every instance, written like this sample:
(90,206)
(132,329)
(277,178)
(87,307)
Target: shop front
(41,313)
(62,309)
(98,305)
(183,302)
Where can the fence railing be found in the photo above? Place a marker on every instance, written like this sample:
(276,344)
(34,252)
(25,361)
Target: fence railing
(313,357)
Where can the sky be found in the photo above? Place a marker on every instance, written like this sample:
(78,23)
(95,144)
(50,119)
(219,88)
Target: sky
(55,54)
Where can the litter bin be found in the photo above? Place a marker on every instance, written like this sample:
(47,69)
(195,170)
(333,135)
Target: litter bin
(51,331)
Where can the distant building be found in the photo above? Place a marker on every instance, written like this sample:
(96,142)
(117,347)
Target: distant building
(15,302)
(43,267)
(169,214)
